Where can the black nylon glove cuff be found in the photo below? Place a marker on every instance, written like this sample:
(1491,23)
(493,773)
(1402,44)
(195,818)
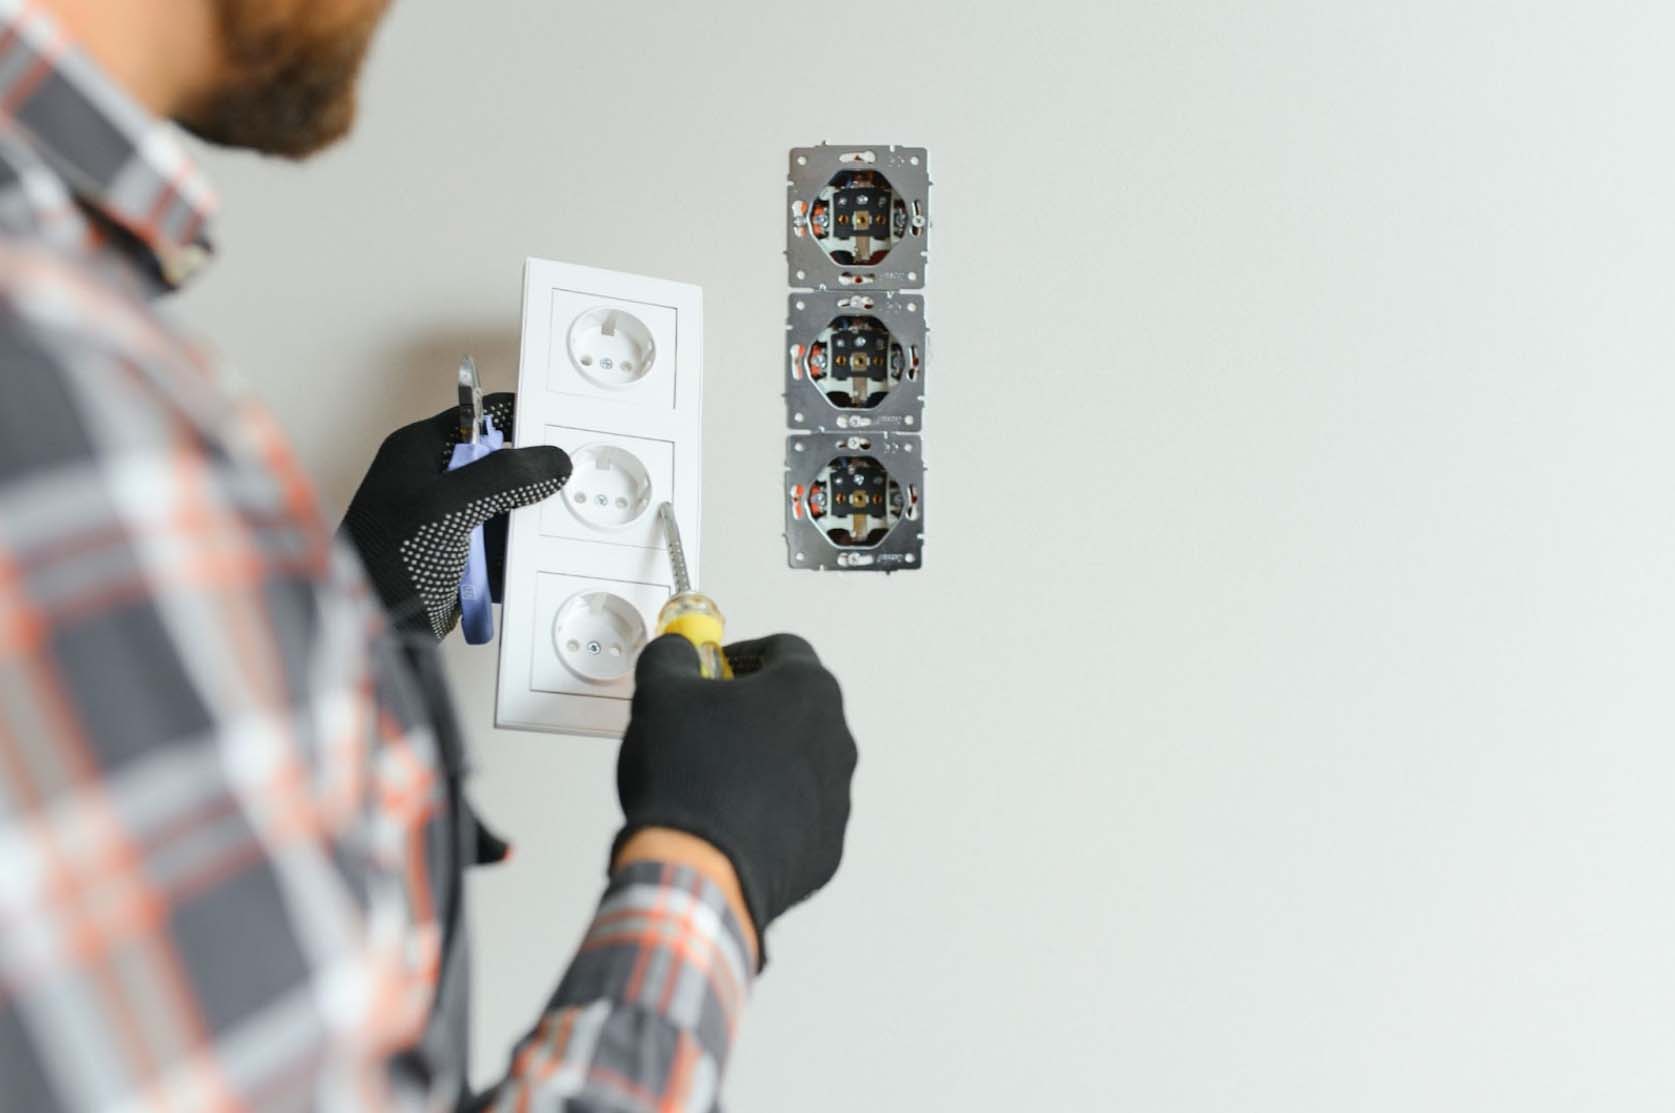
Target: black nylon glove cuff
(758,766)
(411,520)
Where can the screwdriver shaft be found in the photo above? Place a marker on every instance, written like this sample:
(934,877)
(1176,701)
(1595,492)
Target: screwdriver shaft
(693,616)
(677,554)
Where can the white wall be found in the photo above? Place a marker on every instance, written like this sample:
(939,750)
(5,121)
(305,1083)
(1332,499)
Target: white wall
(1284,719)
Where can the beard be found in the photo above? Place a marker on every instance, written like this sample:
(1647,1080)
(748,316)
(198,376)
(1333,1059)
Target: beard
(291,73)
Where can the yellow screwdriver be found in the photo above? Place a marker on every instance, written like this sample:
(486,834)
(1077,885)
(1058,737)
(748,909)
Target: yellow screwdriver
(692,615)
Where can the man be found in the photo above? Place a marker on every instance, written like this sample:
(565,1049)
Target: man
(231,824)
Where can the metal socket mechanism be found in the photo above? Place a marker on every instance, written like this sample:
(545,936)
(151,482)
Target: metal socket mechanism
(858,217)
(855,361)
(855,502)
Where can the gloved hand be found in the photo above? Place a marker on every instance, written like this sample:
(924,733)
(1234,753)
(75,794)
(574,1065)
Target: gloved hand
(411,520)
(758,766)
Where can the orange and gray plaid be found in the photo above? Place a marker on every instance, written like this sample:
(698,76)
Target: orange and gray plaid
(231,827)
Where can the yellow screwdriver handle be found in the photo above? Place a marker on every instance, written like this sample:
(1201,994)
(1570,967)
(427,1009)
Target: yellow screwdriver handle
(696,618)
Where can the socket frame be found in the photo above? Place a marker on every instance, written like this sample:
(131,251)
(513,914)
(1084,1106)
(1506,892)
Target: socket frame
(547,546)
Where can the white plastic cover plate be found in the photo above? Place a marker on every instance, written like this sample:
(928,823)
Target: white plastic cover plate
(611,371)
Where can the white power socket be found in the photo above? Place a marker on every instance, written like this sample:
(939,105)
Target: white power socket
(612,372)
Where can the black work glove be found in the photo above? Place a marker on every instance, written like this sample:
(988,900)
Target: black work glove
(411,519)
(758,766)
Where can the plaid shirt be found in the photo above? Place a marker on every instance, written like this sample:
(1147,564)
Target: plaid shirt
(231,831)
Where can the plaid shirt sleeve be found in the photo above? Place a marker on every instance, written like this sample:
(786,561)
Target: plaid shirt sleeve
(645,1016)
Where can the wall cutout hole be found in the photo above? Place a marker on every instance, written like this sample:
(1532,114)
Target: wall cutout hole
(857,217)
(855,502)
(855,361)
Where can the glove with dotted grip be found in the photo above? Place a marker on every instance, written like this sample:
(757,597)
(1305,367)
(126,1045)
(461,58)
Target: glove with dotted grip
(758,766)
(411,520)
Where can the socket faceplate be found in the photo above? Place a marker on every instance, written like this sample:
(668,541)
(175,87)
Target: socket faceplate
(611,371)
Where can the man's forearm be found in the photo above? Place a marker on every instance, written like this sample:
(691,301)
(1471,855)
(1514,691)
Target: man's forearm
(645,1017)
(677,848)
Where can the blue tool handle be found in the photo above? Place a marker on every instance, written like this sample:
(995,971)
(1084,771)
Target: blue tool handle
(476,608)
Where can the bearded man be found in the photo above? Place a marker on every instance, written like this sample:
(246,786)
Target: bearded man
(232,823)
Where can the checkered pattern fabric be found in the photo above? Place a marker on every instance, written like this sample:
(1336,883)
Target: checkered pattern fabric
(231,826)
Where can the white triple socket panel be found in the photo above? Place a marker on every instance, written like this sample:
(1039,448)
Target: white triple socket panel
(611,371)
